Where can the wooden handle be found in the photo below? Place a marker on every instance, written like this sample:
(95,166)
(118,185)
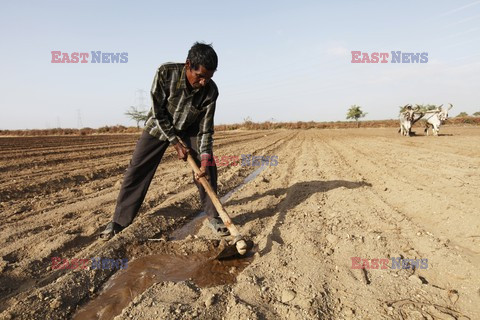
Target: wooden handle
(240,243)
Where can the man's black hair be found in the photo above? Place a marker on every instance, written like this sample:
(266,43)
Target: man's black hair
(202,54)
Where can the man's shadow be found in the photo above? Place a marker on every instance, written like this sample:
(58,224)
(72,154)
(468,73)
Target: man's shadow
(294,195)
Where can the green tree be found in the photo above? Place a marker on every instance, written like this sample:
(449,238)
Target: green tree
(137,115)
(425,107)
(462,114)
(476,114)
(355,112)
(405,107)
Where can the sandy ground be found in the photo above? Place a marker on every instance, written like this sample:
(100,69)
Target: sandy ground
(334,195)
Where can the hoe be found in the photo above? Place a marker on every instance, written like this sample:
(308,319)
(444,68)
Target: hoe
(239,245)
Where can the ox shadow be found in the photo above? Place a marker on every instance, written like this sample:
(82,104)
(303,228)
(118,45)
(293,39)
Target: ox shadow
(294,195)
(423,134)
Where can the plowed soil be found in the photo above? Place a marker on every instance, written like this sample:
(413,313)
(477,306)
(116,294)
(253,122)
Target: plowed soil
(334,195)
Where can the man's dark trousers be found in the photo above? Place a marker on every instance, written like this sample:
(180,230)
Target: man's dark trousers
(145,160)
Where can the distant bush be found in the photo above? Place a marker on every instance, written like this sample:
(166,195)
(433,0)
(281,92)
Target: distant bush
(113,129)
(68,131)
(267,125)
(334,124)
(464,120)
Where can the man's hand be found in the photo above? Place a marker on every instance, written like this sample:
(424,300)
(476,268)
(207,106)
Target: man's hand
(203,173)
(182,150)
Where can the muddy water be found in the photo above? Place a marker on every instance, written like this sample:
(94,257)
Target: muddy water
(141,273)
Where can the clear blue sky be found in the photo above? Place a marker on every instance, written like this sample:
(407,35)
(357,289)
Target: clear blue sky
(286,60)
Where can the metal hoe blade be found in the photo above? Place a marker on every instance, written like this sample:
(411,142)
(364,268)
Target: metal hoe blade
(230,251)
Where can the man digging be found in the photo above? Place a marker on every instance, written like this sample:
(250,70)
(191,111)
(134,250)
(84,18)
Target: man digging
(183,107)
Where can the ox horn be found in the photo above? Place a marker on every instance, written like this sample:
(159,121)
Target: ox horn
(451,106)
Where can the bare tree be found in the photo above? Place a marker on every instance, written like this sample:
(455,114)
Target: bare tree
(137,115)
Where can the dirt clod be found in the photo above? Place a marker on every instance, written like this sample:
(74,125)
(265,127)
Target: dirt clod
(288,295)
(210,300)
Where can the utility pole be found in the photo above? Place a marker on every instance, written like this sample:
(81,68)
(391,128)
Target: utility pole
(79,119)
(140,100)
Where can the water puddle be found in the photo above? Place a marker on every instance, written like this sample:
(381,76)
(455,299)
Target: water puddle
(142,273)
(193,226)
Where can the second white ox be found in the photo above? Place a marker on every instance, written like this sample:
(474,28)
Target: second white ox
(433,118)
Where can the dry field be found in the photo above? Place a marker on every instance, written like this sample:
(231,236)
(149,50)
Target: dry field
(334,195)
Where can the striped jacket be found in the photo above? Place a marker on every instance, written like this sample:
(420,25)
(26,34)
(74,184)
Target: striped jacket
(176,107)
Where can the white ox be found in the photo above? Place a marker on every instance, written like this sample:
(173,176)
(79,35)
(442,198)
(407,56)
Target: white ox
(406,119)
(433,118)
